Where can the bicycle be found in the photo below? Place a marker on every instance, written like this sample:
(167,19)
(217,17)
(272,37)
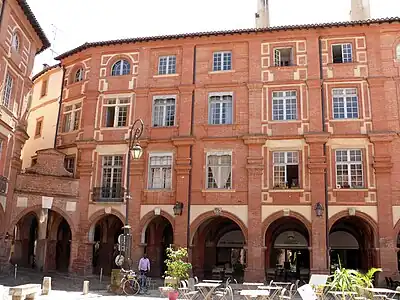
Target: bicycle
(129,283)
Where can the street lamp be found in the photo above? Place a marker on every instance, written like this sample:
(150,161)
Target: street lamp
(319,209)
(136,152)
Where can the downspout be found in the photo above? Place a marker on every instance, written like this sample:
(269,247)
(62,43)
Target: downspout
(2,12)
(189,202)
(323,108)
(59,107)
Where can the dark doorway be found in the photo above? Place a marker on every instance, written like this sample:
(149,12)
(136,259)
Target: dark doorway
(63,248)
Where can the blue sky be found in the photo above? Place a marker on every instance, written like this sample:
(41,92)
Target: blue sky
(73,22)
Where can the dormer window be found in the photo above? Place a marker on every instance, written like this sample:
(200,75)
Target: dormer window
(283,57)
(78,75)
(342,53)
(121,67)
(15,42)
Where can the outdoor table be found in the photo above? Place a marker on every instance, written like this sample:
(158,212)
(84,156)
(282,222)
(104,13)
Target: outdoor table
(251,285)
(384,293)
(248,294)
(212,281)
(339,295)
(206,289)
(273,290)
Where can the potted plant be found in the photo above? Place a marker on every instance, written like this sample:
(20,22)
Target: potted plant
(177,269)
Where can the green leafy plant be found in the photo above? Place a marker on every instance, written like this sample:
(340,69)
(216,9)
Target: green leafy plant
(348,280)
(177,267)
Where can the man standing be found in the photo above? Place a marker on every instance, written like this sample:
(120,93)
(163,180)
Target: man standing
(144,267)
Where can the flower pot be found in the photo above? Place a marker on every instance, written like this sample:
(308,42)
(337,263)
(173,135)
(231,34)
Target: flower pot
(173,295)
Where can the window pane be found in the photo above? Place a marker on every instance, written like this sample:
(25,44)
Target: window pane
(347,53)
(126,68)
(342,176)
(338,108)
(172,65)
(217,62)
(162,65)
(279,175)
(337,54)
(67,122)
(77,119)
(122,116)
(356,175)
(227,61)
(110,115)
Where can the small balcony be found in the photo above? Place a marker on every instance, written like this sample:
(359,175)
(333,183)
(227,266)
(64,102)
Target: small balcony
(108,194)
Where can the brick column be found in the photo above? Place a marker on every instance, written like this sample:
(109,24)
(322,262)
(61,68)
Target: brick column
(182,169)
(81,258)
(317,164)
(382,163)
(255,268)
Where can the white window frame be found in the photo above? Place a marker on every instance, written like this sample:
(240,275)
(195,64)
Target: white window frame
(7,92)
(113,167)
(398,52)
(15,43)
(78,76)
(220,103)
(349,163)
(74,120)
(69,159)
(219,153)
(170,60)
(117,106)
(220,68)
(295,154)
(162,167)
(344,60)
(347,94)
(164,110)
(286,98)
(121,68)
(278,57)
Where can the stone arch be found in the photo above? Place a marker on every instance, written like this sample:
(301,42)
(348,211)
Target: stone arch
(275,216)
(396,230)
(194,226)
(34,209)
(147,218)
(97,216)
(336,217)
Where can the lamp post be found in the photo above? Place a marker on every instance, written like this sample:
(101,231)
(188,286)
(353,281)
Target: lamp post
(136,152)
(319,209)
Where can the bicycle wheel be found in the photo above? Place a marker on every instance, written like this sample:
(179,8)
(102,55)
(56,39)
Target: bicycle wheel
(131,287)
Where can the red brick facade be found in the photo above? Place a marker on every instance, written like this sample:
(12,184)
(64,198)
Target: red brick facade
(288,121)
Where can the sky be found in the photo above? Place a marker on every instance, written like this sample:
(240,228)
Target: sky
(71,23)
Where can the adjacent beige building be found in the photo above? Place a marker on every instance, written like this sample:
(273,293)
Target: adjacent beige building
(43,113)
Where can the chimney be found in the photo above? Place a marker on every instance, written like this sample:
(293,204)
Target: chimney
(45,66)
(360,10)
(262,15)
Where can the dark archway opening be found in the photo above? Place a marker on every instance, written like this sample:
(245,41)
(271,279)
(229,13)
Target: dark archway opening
(219,249)
(287,257)
(63,247)
(351,241)
(159,235)
(105,249)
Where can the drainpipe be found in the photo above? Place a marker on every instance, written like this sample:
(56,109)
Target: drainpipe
(323,108)
(59,107)
(191,153)
(2,12)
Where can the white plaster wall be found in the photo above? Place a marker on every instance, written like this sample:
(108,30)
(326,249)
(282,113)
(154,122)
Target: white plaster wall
(396,214)
(368,210)
(239,211)
(145,209)
(106,208)
(49,112)
(268,210)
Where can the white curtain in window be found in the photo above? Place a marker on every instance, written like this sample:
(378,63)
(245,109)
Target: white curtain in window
(157,178)
(225,172)
(213,165)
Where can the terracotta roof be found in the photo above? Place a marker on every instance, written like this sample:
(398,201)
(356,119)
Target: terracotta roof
(45,70)
(225,32)
(35,24)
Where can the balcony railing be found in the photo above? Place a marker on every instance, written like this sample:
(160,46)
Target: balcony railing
(108,194)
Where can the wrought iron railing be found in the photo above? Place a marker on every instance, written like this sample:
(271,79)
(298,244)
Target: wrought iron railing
(108,194)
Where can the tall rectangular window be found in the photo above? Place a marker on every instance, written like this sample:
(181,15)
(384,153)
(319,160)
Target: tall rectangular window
(345,103)
(222,61)
(72,117)
(342,53)
(117,111)
(284,105)
(220,109)
(167,65)
(283,57)
(219,170)
(39,127)
(164,111)
(286,169)
(349,168)
(69,164)
(7,92)
(112,177)
(43,91)
(160,171)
